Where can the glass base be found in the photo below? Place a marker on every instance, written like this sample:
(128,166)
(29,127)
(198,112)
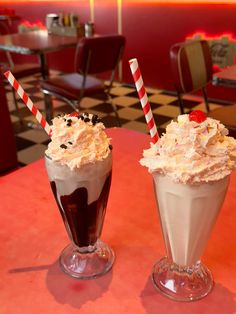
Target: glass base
(182,283)
(87,265)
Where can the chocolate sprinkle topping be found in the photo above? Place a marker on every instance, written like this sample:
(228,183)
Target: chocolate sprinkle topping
(94,119)
(85,117)
(63,146)
(70,143)
(69,122)
(111,147)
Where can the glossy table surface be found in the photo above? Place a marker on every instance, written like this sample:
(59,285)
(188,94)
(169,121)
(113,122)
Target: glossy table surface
(36,42)
(32,236)
(227,77)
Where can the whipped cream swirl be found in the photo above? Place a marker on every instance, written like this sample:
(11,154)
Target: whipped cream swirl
(192,152)
(78,140)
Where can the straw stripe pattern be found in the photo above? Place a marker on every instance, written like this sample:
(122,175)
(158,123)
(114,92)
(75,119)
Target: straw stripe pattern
(28,102)
(144,99)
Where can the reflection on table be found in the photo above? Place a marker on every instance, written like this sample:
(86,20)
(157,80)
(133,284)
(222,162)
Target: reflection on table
(37,43)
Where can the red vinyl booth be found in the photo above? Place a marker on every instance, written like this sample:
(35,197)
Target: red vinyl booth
(8,155)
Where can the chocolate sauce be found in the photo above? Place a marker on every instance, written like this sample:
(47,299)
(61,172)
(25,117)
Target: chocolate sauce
(84,221)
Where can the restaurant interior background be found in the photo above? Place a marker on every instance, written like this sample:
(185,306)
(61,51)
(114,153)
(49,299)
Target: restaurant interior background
(150,27)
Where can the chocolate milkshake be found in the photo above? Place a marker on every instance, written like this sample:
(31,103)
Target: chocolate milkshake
(79,166)
(190,165)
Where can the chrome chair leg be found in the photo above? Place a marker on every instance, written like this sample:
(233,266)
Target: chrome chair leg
(205,99)
(181,105)
(17,107)
(110,101)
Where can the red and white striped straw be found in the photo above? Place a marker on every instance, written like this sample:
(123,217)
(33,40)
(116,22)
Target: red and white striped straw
(28,102)
(144,99)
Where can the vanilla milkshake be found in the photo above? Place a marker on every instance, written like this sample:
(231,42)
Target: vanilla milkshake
(188,214)
(79,166)
(191,165)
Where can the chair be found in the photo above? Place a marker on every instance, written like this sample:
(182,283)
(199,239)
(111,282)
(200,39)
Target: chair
(18,70)
(192,70)
(94,56)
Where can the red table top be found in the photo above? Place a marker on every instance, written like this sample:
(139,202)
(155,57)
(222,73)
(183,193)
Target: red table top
(36,42)
(228,73)
(227,77)
(32,236)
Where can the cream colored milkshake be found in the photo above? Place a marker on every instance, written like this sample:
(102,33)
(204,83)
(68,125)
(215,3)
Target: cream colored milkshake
(191,165)
(188,214)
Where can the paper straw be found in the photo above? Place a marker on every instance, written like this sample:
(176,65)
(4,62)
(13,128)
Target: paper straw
(28,102)
(144,99)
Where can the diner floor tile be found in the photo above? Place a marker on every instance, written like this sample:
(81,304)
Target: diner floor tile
(37,136)
(130,113)
(136,126)
(167,110)
(32,141)
(162,99)
(32,153)
(124,101)
(105,107)
(121,91)
(88,102)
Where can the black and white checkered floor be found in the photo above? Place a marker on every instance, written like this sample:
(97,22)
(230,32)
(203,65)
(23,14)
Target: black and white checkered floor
(31,143)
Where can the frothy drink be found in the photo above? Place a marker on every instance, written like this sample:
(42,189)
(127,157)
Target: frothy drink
(79,167)
(82,196)
(188,214)
(190,165)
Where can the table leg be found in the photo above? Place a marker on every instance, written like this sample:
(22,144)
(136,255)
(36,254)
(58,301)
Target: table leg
(48,108)
(44,66)
(47,98)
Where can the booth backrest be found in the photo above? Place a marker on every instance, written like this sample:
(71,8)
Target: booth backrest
(8,153)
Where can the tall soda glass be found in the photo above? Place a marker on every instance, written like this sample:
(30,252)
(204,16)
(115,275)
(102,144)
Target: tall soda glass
(79,167)
(190,164)
(187,214)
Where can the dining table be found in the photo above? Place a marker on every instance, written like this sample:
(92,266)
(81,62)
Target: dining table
(226,77)
(32,236)
(39,43)
(227,114)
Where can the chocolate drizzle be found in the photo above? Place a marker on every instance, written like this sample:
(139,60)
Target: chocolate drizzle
(84,221)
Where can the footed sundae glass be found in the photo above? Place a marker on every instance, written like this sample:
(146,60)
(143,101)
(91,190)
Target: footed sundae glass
(82,196)
(190,164)
(187,214)
(79,166)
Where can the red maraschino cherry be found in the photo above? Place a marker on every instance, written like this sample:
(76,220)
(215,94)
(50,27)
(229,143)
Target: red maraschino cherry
(197,116)
(74,114)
